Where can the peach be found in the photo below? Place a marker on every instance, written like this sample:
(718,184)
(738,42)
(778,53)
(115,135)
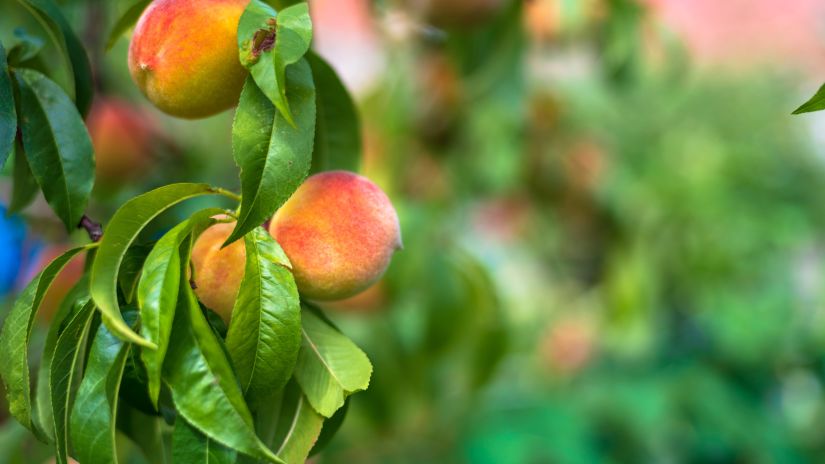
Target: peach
(184,56)
(218,271)
(122,138)
(340,231)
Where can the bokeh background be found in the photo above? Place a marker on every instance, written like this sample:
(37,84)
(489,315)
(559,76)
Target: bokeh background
(614,229)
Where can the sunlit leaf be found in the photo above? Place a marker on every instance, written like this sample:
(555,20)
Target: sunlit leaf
(158,295)
(330,366)
(119,234)
(298,426)
(269,42)
(199,373)
(192,447)
(816,103)
(265,333)
(273,155)
(95,408)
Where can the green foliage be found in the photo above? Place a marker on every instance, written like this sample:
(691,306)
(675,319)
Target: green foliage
(330,367)
(273,155)
(265,333)
(337,126)
(816,103)
(57,146)
(130,350)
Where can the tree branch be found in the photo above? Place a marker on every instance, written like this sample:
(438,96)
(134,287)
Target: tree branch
(94,229)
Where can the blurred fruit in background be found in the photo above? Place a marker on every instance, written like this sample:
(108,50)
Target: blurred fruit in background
(61,285)
(126,141)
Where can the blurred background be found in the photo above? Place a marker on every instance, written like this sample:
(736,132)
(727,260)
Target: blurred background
(614,230)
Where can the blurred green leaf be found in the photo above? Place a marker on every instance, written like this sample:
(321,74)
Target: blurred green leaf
(121,231)
(126,20)
(265,333)
(14,341)
(274,156)
(337,125)
(298,426)
(268,42)
(192,447)
(816,103)
(69,349)
(25,48)
(8,114)
(158,294)
(60,32)
(330,366)
(204,387)
(24,188)
(96,406)
(57,146)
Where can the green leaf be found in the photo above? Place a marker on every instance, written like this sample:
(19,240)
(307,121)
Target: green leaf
(122,230)
(62,375)
(8,114)
(158,295)
(265,334)
(816,103)
(71,49)
(330,366)
(274,156)
(269,42)
(298,426)
(14,341)
(331,427)
(24,188)
(126,21)
(95,408)
(77,297)
(57,145)
(130,269)
(25,48)
(204,388)
(192,447)
(337,126)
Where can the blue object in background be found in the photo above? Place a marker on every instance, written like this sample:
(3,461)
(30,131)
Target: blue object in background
(12,237)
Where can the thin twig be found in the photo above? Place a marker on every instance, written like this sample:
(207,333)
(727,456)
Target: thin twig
(94,229)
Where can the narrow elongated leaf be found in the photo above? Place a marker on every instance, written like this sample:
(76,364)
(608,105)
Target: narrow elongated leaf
(70,47)
(331,427)
(14,340)
(57,145)
(192,447)
(95,408)
(265,334)
(25,47)
(25,186)
(816,103)
(130,269)
(274,156)
(122,230)
(330,366)
(8,114)
(158,295)
(77,297)
(62,376)
(268,42)
(126,21)
(337,126)
(298,426)
(198,373)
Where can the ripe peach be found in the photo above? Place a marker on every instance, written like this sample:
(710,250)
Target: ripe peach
(121,135)
(184,56)
(218,272)
(339,230)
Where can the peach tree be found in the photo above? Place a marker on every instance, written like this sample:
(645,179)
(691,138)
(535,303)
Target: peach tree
(204,345)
